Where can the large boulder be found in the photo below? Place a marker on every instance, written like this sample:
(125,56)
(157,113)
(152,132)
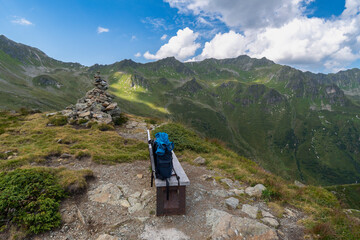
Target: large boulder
(226,226)
(255,191)
(108,193)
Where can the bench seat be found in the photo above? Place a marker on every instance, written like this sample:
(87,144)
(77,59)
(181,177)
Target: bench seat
(184,180)
(176,204)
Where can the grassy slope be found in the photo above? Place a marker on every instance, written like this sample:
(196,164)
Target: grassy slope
(349,195)
(32,141)
(286,137)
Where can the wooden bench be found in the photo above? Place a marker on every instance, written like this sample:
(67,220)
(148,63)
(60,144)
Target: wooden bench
(176,205)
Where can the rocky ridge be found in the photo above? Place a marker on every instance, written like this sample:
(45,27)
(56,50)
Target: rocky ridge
(96,106)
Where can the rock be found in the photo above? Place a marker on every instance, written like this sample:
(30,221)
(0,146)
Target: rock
(135,208)
(227,226)
(80,106)
(299,184)
(227,181)
(266,214)
(232,202)
(237,191)
(206,177)
(65,155)
(145,194)
(151,233)
(271,221)
(93,106)
(222,193)
(67,113)
(252,211)
(111,106)
(84,114)
(199,160)
(51,114)
(255,191)
(289,213)
(108,193)
(124,203)
(136,195)
(133,201)
(213,216)
(107,237)
(139,176)
(81,217)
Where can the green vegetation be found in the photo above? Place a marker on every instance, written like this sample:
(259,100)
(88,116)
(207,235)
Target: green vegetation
(119,121)
(349,195)
(30,197)
(324,211)
(33,141)
(182,138)
(27,139)
(58,120)
(295,124)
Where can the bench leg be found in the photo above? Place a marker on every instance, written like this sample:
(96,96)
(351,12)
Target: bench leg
(176,205)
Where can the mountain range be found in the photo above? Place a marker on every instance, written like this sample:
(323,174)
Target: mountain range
(296,124)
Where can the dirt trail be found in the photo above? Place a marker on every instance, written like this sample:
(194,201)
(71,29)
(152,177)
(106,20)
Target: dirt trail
(128,212)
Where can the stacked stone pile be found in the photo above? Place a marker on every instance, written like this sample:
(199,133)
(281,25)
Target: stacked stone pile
(96,106)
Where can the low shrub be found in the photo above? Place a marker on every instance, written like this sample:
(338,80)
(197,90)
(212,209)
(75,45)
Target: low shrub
(30,198)
(82,154)
(104,127)
(183,139)
(58,120)
(121,120)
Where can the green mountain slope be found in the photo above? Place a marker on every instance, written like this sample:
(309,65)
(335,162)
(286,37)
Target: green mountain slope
(29,78)
(296,124)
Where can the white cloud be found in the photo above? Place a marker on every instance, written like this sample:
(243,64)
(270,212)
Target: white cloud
(163,37)
(202,21)
(300,41)
(157,23)
(225,45)
(133,37)
(102,30)
(138,54)
(22,21)
(181,46)
(244,14)
(352,8)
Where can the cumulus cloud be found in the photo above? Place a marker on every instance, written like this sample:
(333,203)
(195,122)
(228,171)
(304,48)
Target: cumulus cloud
(163,37)
(102,30)
(21,21)
(243,13)
(138,54)
(225,45)
(300,41)
(181,46)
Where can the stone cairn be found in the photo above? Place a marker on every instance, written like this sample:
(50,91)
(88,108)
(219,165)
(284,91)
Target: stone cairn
(96,106)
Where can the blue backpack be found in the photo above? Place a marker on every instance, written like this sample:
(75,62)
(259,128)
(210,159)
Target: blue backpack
(162,149)
(163,155)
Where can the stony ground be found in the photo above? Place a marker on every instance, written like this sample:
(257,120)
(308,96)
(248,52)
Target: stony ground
(120,204)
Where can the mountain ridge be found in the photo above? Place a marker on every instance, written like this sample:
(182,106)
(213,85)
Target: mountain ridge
(297,124)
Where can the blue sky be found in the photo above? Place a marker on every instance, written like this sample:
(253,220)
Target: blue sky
(315,35)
